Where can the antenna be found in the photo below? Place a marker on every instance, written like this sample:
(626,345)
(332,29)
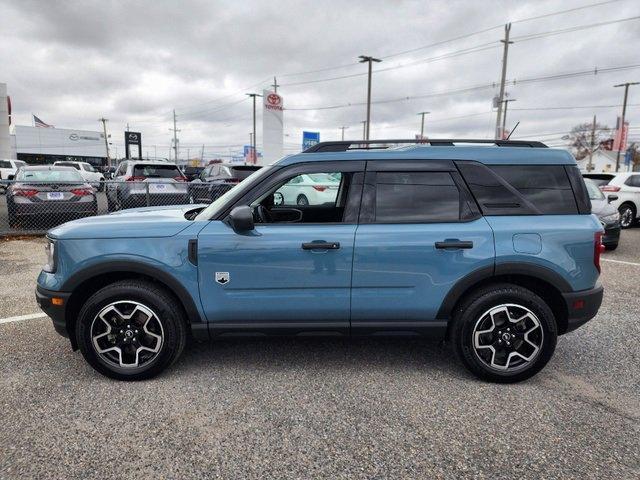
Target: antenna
(514,129)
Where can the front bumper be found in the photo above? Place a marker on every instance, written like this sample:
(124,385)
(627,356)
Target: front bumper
(582,306)
(55,312)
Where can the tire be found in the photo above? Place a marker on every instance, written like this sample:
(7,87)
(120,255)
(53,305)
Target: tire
(627,215)
(11,216)
(611,247)
(156,331)
(487,307)
(302,201)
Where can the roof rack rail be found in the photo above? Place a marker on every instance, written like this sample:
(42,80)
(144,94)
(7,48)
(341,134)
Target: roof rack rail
(344,145)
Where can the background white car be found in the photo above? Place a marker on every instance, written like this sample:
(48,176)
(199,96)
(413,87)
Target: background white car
(310,189)
(86,170)
(627,187)
(9,167)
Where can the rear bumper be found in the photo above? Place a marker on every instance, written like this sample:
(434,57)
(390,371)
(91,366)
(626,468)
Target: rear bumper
(50,208)
(55,312)
(582,306)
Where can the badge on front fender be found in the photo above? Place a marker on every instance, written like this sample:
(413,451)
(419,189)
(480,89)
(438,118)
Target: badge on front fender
(222,278)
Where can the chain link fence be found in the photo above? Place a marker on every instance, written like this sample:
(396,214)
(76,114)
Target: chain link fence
(35,207)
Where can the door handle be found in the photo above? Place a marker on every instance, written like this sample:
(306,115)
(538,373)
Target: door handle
(321,245)
(454,244)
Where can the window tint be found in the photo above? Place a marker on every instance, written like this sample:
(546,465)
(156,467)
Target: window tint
(49,175)
(156,171)
(633,181)
(594,191)
(416,197)
(599,180)
(547,187)
(68,164)
(5,164)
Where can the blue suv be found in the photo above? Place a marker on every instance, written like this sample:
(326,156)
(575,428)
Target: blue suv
(489,245)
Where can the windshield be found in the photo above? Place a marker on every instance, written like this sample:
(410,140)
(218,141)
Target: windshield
(234,193)
(156,171)
(49,175)
(594,191)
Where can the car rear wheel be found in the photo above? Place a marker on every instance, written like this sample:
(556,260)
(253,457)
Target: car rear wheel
(131,330)
(627,215)
(504,333)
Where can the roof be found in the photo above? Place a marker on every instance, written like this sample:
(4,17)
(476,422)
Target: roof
(491,155)
(57,168)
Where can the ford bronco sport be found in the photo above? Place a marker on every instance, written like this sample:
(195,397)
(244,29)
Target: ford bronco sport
(489,245)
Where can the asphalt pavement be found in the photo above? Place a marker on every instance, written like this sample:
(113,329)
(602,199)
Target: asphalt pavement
(321,408)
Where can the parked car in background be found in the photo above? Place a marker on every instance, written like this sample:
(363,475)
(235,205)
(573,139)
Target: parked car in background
(217,179)
(191,172)
(607,214)
(8,168)
(627,187)
(309,189)
(139,183)
(46,195)
(86,170)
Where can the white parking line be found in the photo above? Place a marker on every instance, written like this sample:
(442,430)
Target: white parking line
(620,261)
(19,318)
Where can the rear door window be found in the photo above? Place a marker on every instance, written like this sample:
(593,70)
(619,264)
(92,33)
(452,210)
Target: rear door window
(416,197)
(5,164)
(633,181)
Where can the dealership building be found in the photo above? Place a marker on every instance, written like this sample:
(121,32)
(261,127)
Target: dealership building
(37,145)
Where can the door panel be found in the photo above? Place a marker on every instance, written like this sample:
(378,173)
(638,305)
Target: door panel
(273,281)
(400,277)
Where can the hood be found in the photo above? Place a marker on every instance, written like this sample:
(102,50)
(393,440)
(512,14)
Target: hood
(602,208)
(146,222)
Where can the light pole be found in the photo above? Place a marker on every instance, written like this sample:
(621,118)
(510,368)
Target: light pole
(343,128)
(364,129)
(624,111)
(504,115)
(255,151)
(422,114)
(369,61)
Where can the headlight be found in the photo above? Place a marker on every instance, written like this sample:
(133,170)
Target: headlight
(50,250)
(614,217)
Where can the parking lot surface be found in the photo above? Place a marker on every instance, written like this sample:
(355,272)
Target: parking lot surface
(294,408)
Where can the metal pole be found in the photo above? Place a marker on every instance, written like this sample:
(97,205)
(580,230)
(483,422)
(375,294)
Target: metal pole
(369,60)
(106,139)
(364,129)
(422,114)
(504,115)
(253,144)
(343,128)
(624,111)
(503,77)
(175,138)
(593,144)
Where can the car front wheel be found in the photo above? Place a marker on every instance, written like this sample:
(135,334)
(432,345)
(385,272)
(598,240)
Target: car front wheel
(131,330)
(504,333)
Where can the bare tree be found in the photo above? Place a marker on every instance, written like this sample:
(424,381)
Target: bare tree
(580,138)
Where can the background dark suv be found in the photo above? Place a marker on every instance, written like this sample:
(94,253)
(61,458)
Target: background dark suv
(216,179)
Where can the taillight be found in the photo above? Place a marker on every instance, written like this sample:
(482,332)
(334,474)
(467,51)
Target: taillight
(609,188)
(22,192)
(180,179)
(598,248)
(81,192)
(320,188)
(134,179)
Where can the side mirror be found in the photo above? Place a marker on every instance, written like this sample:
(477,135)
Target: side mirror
(241,219)
(612,198)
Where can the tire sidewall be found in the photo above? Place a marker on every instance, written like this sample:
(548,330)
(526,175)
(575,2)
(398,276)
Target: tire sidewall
(470,313)
(166,313)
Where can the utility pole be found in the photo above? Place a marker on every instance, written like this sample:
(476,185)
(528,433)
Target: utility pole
(364,129)
(624,111)
(503,77)
(106,138)
(202,154)
(127,126)
(369,61)
(253,144)
(592,144)
(275,85)
(504,114)
(175,137)
(422,124)
(343,128)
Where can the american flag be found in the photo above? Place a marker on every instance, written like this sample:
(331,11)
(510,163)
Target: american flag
(39,123)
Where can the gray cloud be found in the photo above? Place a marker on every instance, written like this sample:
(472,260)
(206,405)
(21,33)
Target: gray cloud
(72,62)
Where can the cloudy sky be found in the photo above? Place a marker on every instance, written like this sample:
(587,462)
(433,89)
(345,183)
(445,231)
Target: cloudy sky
(72,62)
